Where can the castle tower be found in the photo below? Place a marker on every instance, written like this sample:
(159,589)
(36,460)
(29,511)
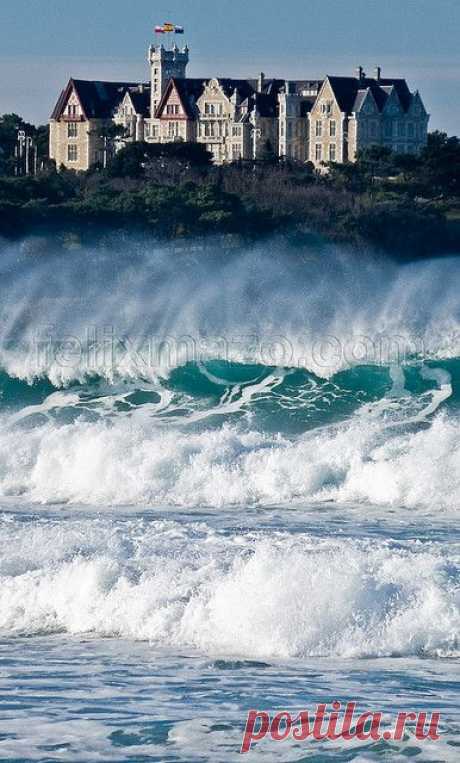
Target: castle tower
(164,65)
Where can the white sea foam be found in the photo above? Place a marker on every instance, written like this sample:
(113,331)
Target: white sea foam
(127,462)
(190,586)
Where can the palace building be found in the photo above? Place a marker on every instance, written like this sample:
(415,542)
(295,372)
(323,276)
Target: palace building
(237,119)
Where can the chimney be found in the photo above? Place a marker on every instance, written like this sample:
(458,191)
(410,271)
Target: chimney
(360,73)
(378,73)
(260,82)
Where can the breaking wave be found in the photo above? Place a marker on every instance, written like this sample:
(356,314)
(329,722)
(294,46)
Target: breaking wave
(169,583)
(213,378)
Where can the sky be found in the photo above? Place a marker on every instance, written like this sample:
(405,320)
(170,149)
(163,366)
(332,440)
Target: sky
(44,42)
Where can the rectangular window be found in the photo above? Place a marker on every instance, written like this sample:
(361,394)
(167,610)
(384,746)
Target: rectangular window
(319,128)
(401,130)
(236,132)
(373,129)
(332,152)
(318,152)
(332,128)
(72,153)
(410,129)
(72,130)
(209,108)
(289,129)
(173,129)
(209,130)
(236,152)
(388,129)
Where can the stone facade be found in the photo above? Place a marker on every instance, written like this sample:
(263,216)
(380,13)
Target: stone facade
(237,119)
(353,113)
(327,129)
(74,140)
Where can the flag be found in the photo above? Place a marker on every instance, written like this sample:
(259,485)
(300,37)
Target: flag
(168,27)
(179,30)
(159,30)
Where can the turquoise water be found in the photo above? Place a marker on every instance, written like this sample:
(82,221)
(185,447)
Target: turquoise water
(227,481)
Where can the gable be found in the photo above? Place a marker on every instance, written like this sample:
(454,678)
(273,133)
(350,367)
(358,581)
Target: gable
(365,103)
(326,95)
(97,99)
(417,108)
(69,103)
(213,91)
(174,102)
(393,104)
(401,88)
(126,106)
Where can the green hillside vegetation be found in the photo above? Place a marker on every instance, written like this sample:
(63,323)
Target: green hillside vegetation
(405,204)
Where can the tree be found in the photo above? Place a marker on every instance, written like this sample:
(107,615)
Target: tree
(9,125)
(439,170)
(153,159)
(110,134)
(375,161)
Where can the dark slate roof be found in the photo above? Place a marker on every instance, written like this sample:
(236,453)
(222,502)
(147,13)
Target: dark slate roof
(59,104)
(350,91)
(189,91)
(98,99)
(266,104)
(272,86)
(244,87)
(141,100)
(307,104)
(400,85)
(359,100)
(345,90)
(378,93)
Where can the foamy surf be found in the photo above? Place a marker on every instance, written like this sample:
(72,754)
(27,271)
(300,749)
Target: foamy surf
(226,481)
(167,583)
(127,463)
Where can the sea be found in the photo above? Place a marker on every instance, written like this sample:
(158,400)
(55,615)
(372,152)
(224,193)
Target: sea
(229,480)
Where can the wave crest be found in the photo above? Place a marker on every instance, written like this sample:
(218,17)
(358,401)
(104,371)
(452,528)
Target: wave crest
(244,595)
